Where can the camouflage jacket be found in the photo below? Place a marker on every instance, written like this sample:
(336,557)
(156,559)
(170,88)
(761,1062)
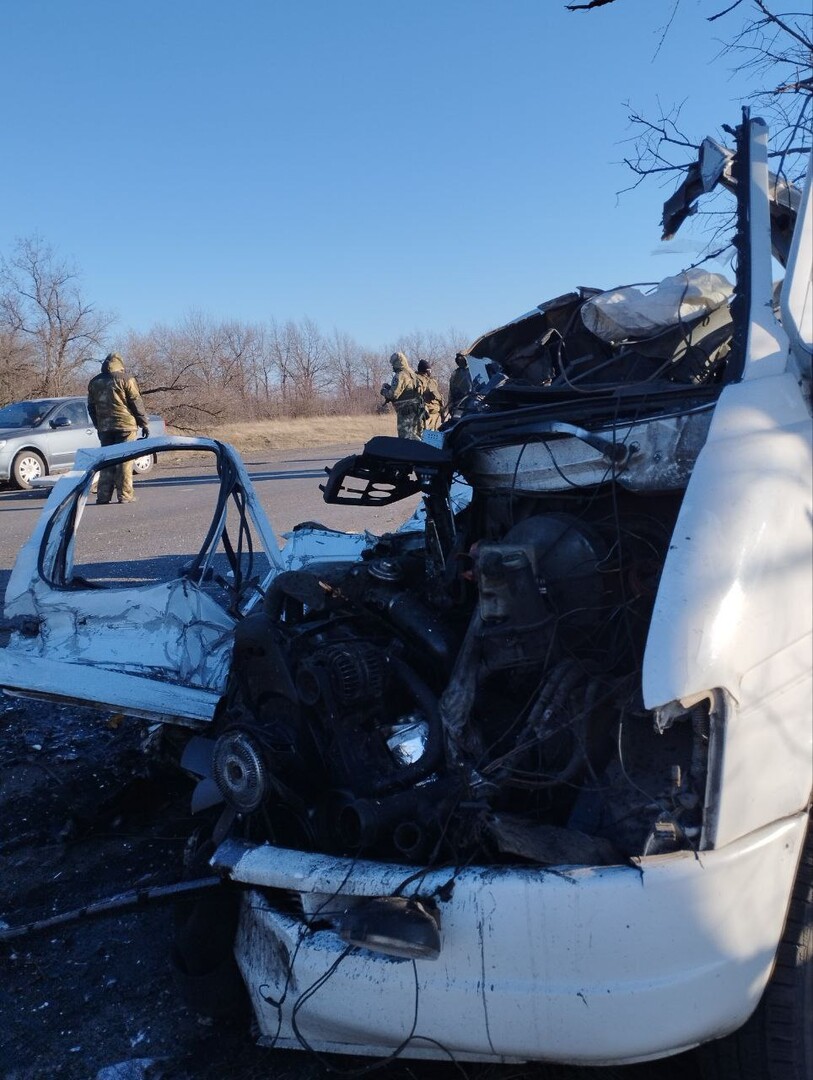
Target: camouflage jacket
(430,392)
(114,402)
(459,386)
(404,391)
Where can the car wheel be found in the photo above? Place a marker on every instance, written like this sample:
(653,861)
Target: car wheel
(142,465)
(777,1042)
(202,956)
(27,466)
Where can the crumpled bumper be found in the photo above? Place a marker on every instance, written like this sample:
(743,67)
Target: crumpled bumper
(588,966)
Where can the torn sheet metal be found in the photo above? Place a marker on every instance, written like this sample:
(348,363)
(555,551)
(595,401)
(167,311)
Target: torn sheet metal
(310,545)
(715,165)
(655,454)
(157,650)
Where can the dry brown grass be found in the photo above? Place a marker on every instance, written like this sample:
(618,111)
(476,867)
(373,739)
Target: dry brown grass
(257,435)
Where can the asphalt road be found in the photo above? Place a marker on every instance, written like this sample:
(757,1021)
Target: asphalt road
(166,524)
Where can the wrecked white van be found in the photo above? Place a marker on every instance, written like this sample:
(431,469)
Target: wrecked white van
(532,781)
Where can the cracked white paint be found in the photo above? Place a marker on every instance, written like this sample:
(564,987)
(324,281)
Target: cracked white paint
(171,630)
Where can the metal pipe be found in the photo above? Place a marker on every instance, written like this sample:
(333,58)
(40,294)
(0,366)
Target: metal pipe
(127,901)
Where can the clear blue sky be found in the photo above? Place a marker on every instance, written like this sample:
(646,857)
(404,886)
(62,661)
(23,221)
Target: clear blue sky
(380,166)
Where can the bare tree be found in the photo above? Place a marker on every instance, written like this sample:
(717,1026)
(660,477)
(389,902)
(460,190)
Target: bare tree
(312,375)
(263,371)
(41,305)
(300,359)
(243,360)
(201,371)
(280,347)
(167,365)
(18,369)
(375,369)
(345,360)
(422,345)
(776,50)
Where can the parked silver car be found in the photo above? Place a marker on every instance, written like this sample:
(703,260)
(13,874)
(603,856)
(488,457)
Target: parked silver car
(42,436)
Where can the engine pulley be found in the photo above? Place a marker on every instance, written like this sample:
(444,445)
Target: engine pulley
(354,673)
(239,771)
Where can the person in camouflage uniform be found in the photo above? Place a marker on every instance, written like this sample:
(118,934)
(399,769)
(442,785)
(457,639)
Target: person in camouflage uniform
(459,385)
(117,411)
(430,392)
(404,394)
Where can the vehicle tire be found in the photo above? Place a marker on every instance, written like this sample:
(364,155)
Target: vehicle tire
(777,1042)
(202,956)
(142,465)
(27,466)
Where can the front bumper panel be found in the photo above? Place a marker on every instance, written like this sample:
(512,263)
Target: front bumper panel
(586,966)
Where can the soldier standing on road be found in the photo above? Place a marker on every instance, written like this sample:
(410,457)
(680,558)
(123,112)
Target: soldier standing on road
(460,384)
(117,411)
(432,400)
(404,393)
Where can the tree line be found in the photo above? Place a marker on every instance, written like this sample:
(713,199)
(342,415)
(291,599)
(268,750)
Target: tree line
(198,372)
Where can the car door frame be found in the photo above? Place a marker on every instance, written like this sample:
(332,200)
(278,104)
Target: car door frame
(84,644)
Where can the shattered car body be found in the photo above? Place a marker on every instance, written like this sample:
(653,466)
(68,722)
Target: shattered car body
(531,780)
(160,650)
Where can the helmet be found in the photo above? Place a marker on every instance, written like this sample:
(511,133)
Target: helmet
(424,366)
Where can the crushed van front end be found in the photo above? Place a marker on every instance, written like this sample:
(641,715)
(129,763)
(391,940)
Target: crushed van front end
(536,783)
